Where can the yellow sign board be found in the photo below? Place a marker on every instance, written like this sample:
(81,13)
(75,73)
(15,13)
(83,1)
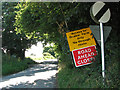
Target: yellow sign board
(80,38)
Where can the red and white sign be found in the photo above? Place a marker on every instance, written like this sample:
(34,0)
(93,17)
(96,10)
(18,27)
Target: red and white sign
(84,56)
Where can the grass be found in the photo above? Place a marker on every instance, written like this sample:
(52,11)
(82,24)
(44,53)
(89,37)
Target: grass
(12,65)
(89,76)
(83,77)
(35,58)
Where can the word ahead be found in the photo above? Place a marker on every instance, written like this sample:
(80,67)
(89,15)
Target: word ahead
(84,56)
(80,39)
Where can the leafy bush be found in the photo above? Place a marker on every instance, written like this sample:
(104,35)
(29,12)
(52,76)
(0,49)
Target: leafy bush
(47,56)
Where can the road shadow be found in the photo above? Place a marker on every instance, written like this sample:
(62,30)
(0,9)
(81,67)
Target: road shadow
(40,83)
(38,76)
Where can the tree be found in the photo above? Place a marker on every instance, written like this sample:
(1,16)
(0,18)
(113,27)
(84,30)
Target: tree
(50,50)
(50,21)
(13,42)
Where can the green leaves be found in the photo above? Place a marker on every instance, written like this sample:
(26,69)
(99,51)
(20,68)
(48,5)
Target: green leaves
(14,42)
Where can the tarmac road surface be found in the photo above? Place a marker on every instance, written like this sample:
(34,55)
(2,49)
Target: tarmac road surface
(42,75)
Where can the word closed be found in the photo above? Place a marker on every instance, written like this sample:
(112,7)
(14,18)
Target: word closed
(84,56)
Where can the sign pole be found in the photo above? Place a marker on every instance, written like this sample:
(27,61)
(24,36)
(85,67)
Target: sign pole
(100,13)
(102,52)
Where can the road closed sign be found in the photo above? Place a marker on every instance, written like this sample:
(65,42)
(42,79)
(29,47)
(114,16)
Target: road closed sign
(84,56)
(80,39)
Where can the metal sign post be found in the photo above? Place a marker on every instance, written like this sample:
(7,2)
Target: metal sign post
(100,13)
(102,52)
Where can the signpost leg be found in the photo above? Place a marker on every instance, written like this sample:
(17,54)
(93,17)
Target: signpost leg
(102,52)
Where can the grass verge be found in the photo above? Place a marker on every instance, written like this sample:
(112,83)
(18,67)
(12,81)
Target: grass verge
(82,77)
(89,76)
(11,65)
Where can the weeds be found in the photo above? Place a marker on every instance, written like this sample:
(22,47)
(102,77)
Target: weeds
(12,64)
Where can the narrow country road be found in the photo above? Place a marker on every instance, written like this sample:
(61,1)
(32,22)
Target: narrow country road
(42,75)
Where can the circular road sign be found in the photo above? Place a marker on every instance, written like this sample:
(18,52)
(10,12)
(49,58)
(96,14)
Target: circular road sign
(100,13)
